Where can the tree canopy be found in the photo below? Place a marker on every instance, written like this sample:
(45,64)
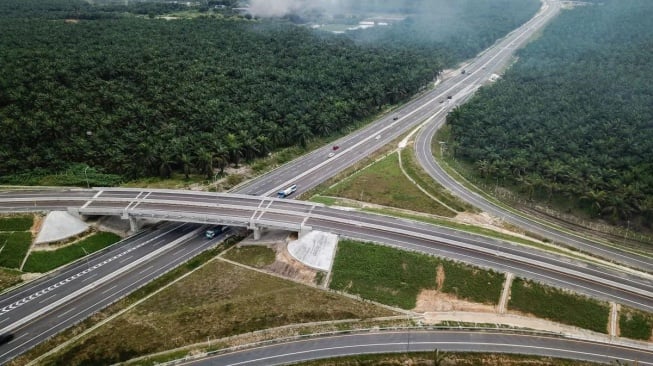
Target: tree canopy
(574,115)
(140,96)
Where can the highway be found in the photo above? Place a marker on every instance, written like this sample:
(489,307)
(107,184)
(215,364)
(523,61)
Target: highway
(314,168)
(426,341)
(96,285)
(42,308)
(246,210)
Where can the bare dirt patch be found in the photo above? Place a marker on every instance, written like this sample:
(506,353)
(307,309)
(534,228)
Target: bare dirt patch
(287,266)
(429,300)
(36,226)
(433,300)
(439,278)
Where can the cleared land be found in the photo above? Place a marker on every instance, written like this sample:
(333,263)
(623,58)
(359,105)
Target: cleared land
(218,300)
(558,305)
(395,277)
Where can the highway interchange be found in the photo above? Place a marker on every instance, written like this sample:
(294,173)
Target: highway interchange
(152,253)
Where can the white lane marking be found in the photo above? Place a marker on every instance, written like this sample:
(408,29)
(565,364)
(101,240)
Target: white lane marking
(125,259)
(66,312)
(47,298)
(89,277)
(109,289)
(42,292)
(91,200)
(146,269)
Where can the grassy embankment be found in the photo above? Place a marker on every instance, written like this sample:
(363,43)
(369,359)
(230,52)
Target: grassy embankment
(253,256)
(395,277)
(44,261)
(375,180)
(635,324)
(384,184)
(216,301)
(559,305)
(15,240)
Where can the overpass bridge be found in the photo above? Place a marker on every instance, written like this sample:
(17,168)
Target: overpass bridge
(260,212)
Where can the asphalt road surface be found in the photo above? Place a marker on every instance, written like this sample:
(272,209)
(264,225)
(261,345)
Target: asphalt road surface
(96,284)
(427,341)
(42,308)
(244,210)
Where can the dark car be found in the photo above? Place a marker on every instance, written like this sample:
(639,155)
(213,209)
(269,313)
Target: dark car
(6,338)
(335,147)
(395,118)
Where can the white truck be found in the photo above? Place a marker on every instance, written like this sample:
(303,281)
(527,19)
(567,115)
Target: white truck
(287,192)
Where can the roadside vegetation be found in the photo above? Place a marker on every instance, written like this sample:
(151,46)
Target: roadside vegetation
(251,255)
(446,359)
(15,240)
(635,324)
(9,278)
(217,301)
(383,183)
(425,181)
(578,139)
(396,277)
(44,261)
(558,305)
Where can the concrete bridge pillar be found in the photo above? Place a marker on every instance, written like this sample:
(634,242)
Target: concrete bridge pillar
(257,232)
(133,224)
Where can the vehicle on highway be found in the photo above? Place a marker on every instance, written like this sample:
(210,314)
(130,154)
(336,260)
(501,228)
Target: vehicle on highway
(463,72)
(448,96)
(395,118)
(377,137)
(287,192)
(331,154)
(211,233)
(335,147)
(6,338)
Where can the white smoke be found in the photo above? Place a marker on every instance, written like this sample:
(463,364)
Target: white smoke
(279,8)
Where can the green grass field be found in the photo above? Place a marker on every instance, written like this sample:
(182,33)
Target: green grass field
(253,256)
(14,248)
(44,261)
(395,277)
(429,184)
(16,223)
(635,324)
(383,183)
(558,305)
(8,278)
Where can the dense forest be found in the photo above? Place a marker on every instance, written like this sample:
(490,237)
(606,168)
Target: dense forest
(573,117)
(134,95)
